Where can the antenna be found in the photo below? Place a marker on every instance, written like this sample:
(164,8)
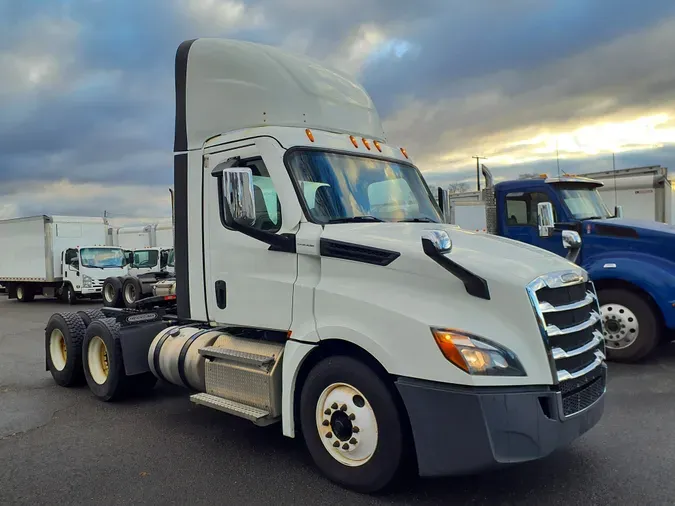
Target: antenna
(616,198)
(557,155)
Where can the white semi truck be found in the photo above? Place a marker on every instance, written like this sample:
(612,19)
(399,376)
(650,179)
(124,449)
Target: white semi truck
(56,256)
(341,307)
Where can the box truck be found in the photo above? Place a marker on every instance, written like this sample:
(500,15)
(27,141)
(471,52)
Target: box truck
(56,256)
(339,305)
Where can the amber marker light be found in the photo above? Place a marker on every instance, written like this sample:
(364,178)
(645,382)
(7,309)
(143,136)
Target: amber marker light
(353,139)
(310,135)
(405,153)
(378,146)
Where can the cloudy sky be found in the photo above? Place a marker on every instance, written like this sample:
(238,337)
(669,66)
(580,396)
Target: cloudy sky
(86,87)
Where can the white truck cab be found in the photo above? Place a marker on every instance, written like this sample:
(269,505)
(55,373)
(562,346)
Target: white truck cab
(85,268)
(316,286)
(150,260)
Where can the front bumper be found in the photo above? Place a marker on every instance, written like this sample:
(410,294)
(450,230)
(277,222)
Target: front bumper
(461,430)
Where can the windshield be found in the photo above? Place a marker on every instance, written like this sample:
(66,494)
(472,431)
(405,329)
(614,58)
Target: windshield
(146,258)
(102,257)
(584,202)
(339,188)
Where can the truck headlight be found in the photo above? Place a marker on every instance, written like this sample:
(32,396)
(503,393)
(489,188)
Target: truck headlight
(87,281)
(477,355)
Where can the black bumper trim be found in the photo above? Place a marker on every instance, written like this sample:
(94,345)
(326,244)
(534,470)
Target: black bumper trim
(459,430)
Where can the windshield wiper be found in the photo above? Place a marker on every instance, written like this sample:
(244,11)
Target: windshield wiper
(417,220)
(355,219)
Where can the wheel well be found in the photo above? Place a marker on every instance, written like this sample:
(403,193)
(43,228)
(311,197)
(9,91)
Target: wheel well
(334,347)
(620,284)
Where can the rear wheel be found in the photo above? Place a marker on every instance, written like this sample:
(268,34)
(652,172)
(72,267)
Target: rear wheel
(63,345)
(89,315)
(24,293)
(631,327)
(102,357)
(112,292)
(351,425)
(132,292)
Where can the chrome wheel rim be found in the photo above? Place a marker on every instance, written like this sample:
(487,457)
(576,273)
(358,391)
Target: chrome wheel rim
(620,326)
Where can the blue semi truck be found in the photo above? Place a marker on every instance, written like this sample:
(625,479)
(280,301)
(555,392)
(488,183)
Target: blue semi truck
(631,262)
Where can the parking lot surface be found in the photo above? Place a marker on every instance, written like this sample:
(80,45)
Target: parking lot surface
(63,446)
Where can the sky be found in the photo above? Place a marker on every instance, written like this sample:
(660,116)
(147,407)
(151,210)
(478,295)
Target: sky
(87,90)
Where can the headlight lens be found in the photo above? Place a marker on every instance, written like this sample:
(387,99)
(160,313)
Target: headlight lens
(476,355)
(87,281)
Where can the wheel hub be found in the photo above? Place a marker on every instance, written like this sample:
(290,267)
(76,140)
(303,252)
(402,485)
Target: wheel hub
(98,360)
(58,350)
(346,424)
(621,326)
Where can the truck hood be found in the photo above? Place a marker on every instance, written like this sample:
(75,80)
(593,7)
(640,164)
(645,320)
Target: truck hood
(623,227)
(489,256)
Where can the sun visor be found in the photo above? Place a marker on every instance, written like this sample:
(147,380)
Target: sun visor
(225,85)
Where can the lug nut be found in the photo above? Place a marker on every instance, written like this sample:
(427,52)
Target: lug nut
(334,405)
(355,430)
(343,407)
(336,444)
(353,441)
(352,416)
(345,446)
(327,412)
(329,435)
(325,423)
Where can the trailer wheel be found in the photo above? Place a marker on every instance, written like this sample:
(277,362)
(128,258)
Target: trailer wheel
(89,315)
(132,292)
(112,292)
(102,357)
(351,425)
(63,345)
(24,293)
(631,327)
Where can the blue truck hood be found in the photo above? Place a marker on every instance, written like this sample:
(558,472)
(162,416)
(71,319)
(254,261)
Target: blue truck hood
(618,235)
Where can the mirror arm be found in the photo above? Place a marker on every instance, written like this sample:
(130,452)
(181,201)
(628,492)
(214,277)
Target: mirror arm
(227,164)
(277,242)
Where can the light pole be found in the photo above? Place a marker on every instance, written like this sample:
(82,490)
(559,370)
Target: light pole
(478,159)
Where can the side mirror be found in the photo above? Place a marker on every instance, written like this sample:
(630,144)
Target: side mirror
(238,196)
(572,242)
(618,211)
(545,219)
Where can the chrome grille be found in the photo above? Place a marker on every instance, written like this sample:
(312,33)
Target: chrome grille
(568,314)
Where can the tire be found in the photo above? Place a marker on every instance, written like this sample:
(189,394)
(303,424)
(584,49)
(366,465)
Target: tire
(624,314)
(112,292)
(24,293)
(382,455)
(89,315)
(132,292)
(64,335)
(102,360)
(71,296)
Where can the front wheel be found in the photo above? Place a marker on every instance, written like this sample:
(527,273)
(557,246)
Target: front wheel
(351,425)
(631,328)
(71,295)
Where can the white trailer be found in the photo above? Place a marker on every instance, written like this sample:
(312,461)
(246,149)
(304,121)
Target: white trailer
(644,193)
(56,256)
(134,237)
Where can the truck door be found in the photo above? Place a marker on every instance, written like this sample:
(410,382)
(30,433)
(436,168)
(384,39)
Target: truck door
(247,283)
(519,215)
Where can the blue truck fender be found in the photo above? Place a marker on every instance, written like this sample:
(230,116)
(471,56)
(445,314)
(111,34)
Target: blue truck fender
(653,275)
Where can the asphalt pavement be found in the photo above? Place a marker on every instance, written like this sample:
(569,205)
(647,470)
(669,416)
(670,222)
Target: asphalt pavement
(63,446)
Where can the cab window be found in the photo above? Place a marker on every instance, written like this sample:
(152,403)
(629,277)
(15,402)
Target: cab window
(521,208)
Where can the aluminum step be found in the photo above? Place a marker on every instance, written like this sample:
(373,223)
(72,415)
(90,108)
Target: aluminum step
(240,357)
(231,407)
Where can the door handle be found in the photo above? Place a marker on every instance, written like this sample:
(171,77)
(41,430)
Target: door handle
(221,294)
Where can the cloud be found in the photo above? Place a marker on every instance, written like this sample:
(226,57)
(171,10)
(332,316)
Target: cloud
(87,98)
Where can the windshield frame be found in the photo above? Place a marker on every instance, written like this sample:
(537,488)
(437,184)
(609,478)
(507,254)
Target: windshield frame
(89,266)
(301,196)
(560,187)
